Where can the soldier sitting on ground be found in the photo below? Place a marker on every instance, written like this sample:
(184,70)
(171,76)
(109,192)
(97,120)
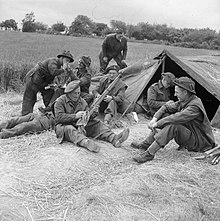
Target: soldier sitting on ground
(68,109)
(113,101)
(159,93)
(185,121)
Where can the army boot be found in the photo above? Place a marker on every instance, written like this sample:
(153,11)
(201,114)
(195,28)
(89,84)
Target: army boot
(121,137)
(145,143)
(90,145)
(148,155)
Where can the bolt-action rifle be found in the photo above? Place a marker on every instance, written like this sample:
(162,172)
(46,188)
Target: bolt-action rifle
(82,122)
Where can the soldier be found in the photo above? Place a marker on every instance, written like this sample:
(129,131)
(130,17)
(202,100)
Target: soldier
(187,124)
(113,101)
(30,123)
(159,93)
(83,73)
(114,46)
(40,77)
(68,109)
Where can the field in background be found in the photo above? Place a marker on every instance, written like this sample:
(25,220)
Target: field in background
(21,51)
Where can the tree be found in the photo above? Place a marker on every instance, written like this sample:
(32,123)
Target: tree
(59,26)
(40,26)
(10,23)
(130,30)
(101,29)
(118,25)
(29,23)
(147,31)
(83,25)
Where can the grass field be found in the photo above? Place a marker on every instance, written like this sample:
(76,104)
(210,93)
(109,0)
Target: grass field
(20,51)
(41,180)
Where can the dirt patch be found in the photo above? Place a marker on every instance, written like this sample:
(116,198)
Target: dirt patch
(43,180)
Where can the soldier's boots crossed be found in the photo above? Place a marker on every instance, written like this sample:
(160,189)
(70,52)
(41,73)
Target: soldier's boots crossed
(95,147)
(90,145)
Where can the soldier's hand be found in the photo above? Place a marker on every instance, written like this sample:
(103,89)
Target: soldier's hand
(152,124)
(123,62)
(80,114)
(105,59)
(170,104)
(108,98)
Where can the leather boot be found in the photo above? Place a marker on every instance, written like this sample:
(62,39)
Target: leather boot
(140,145)
(144,157)
(90,145)
(148,155)
(121,137)
(145,143)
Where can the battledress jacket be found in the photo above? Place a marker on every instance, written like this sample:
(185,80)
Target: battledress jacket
(117,92)
(112,47)
(45,72)
(65,113)
(192,115)
(157,96)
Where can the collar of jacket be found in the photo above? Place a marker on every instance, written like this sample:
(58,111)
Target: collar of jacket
(184,104)
(160,85)
(58,62)
(68,100)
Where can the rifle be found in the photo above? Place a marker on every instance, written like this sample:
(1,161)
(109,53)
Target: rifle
(82,122)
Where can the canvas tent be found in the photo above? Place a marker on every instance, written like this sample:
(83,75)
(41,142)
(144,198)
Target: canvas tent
(204,70)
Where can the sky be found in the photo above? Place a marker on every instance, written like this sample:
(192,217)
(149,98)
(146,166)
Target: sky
(175,13)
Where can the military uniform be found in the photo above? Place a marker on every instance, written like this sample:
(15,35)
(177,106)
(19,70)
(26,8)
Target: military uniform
(38,78)
(188,126)
(157,96)
(185,121)
(117,93)
(30,123)
(36,81)
(113,48)
(66,129)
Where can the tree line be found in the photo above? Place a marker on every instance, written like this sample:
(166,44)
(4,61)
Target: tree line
(155,33)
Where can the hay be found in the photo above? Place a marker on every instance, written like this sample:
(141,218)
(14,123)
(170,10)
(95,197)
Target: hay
(43,180)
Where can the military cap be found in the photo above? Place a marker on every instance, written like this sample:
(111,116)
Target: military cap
(113,67)
(72,86)
(66,54)
(185,83)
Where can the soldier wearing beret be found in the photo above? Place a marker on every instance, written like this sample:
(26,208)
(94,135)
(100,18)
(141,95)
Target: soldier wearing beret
(187,123)
(40,77)
(159,93)
(113,101)
(114,47)
(68,109)
(30,123)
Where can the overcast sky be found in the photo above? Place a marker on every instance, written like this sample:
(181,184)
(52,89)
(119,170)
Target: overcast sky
(175,13)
